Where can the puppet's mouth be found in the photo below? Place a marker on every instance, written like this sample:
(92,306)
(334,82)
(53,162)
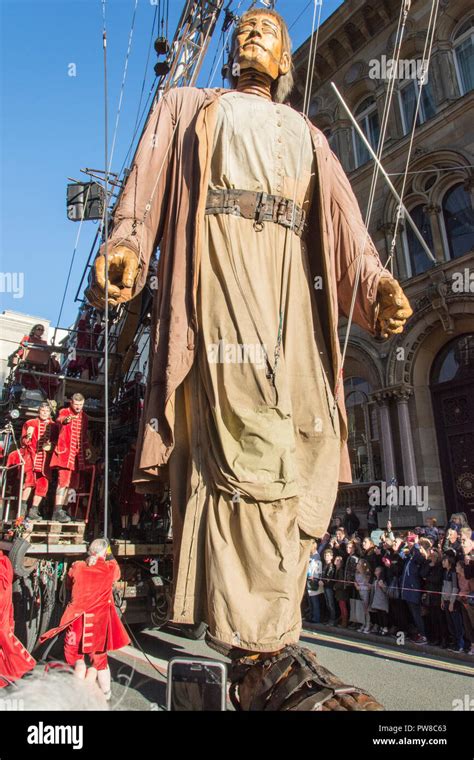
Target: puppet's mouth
(255,44)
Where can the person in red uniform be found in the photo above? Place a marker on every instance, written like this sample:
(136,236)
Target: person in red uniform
(70,454)
(76,366)
(48,365)
(131,502)
(92,623)
(15,661)
(37,439)
(21,355)
(92,361)
(35,336)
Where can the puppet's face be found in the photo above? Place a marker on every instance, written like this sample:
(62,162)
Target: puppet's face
(258,45)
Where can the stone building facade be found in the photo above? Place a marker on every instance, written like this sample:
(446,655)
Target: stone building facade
(410,399)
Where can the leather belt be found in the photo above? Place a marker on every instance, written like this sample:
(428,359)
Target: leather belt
(261,207)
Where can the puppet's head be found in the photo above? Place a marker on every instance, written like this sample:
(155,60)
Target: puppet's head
(261,42)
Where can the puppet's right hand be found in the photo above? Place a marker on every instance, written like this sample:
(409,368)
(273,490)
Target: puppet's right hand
(123,270)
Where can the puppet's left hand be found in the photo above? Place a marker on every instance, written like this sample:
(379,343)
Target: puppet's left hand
(393,307)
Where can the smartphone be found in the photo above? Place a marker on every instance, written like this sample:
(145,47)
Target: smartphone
(196,685)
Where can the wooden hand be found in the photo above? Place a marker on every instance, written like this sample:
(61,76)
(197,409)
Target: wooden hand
(123,271)
(393,308)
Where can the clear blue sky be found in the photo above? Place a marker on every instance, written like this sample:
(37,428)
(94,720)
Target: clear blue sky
(52,125)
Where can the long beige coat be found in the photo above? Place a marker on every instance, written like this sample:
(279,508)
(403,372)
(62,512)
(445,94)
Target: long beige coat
(163,204)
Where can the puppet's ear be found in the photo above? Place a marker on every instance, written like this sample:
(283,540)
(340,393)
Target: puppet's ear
(285,63)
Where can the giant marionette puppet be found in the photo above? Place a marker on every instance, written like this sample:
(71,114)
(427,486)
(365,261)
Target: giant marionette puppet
(245,356)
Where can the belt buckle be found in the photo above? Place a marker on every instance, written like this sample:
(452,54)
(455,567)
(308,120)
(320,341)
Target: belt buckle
(260,212)
(281,211)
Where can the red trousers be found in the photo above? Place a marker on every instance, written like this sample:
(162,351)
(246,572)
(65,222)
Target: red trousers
(344,611)
(68,478)
(72,644)
(37,481)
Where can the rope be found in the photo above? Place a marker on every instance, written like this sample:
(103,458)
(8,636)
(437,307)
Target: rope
(304,128)
(139,116)
(370,586)
(224,45)
(404,8)
(71,266)
(430,32)
(106,313)
(400,29)
(117,118)
(299,16)
(434,170)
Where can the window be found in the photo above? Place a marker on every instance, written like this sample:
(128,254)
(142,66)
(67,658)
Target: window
(409,94)
(417,259)
(363,436)
(458,217)
(368,120)
(455,361)
(464,56)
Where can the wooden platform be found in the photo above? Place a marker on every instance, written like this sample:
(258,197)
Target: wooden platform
(50,532)
(122,548)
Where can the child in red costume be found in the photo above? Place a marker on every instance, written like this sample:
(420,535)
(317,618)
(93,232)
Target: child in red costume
(71,453)
(93,625)
(15,661)
(37,438)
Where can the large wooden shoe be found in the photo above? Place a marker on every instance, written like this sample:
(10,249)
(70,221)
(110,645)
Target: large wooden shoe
(293,680)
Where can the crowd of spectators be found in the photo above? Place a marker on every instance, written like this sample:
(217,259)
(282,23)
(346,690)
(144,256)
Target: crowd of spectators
(419,583)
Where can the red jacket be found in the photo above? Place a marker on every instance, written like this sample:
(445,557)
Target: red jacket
(15,661)
(72,441)
(36,458)
(92,600)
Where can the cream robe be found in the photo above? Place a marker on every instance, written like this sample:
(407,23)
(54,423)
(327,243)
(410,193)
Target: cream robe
(262,461)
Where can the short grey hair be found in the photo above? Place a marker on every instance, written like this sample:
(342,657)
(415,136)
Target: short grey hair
(58,690)
(97,547)
(283,85)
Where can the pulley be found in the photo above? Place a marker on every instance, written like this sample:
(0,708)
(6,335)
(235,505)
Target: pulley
(161,68)
(161,46)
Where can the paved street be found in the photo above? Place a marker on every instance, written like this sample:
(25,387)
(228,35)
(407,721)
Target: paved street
(399,678)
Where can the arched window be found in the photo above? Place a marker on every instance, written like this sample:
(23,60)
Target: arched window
(410,92)
(368,119)
(455,361)
(464,56)
(458,217)
(417,259)
(363,433)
